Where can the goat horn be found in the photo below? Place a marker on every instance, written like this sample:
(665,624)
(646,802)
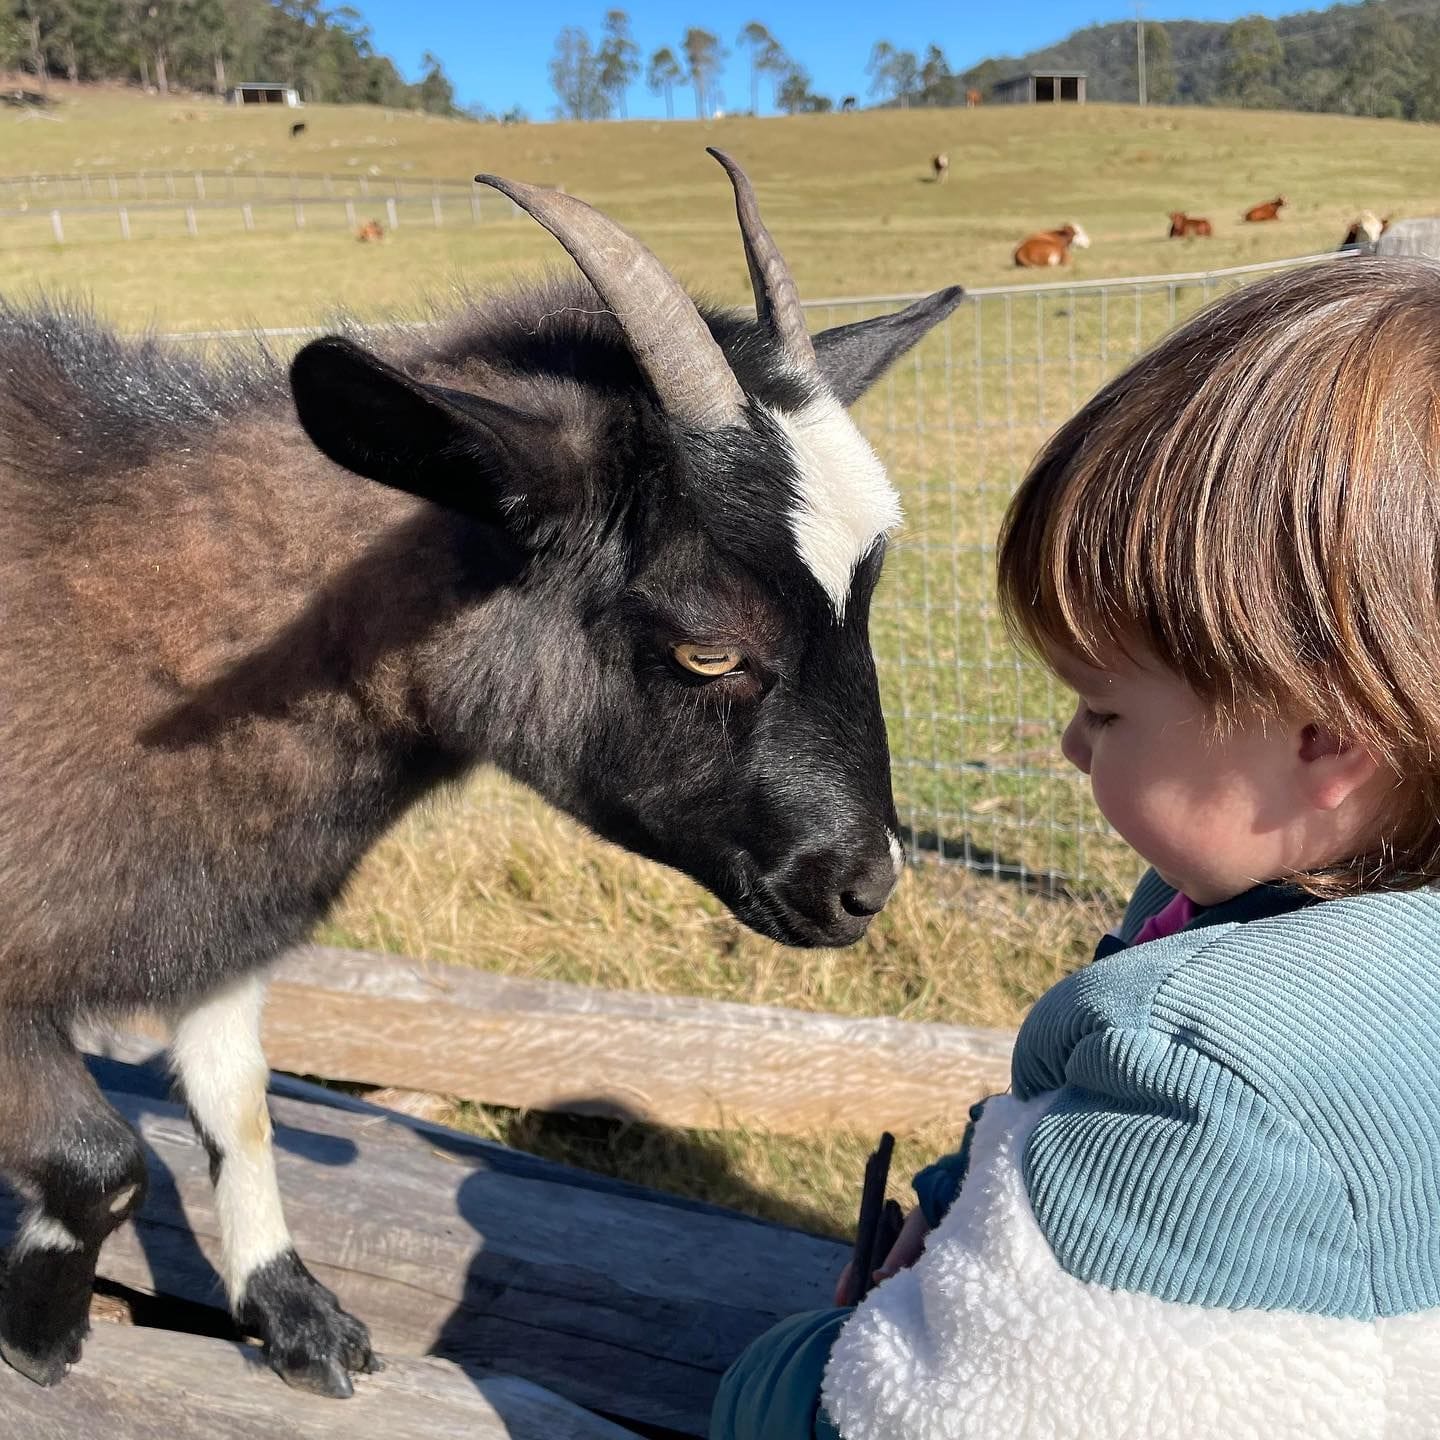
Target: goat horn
(777,301)
(671,343)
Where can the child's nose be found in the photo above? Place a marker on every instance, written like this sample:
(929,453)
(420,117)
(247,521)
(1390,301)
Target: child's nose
(1074,745)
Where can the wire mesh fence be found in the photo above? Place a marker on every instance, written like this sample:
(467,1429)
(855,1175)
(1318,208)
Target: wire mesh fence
(974,724)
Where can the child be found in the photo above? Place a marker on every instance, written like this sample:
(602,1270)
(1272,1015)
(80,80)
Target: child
(1209,1205)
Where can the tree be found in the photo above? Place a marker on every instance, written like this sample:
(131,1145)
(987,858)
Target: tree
(665,73)
(575,77)
(437,94)
(775,63)
(895,73)
(1159,64)
(1253,54)
(757,39)
(619,58)
(704,53)
(795,96)
(934,73)
(878,67)
(1381,72)
(905,76)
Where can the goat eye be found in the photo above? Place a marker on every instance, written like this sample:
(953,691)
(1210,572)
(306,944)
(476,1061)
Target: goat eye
(711,660)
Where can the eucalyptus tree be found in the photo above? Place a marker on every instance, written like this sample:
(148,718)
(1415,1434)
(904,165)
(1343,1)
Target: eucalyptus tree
(664,74)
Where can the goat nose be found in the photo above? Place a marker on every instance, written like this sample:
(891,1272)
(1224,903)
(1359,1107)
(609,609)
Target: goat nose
(866,891)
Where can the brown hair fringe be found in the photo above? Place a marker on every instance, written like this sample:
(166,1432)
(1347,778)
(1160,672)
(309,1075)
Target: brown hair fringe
(1256,503)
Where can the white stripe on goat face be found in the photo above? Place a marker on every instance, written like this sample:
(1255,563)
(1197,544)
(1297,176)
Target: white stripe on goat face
(845,502)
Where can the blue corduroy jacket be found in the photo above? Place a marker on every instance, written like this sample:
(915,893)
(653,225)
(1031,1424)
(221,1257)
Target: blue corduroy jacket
(1210,1205)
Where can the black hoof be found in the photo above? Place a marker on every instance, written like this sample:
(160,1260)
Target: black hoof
(310,1342)
(46,1367)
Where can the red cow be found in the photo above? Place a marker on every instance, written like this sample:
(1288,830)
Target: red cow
(1270,210)
(1183,225)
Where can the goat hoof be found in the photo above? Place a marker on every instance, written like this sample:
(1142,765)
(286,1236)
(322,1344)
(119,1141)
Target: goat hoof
(44,1368)
(325,1376)
(310,1342)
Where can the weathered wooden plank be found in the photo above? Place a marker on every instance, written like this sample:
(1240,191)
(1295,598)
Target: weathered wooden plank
(622,1300)
(137,1384)
(674,1060)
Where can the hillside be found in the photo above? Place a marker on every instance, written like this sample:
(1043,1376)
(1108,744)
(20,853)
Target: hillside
(1370,58)
(849,196)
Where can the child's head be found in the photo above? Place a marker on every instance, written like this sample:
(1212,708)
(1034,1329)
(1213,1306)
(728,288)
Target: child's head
(1238,541)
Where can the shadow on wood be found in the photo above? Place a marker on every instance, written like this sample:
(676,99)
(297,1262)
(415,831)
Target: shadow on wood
(620,1299)
(137,1384)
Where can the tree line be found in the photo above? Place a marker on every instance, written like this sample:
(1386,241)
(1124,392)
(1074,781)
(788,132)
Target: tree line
(591,79)
(1374,58)
(1371,58)
(206,45)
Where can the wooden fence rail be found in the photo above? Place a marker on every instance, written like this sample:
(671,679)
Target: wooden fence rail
(671,1060)
(139,1384)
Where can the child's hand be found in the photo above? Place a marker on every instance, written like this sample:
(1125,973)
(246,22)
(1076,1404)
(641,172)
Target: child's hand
(903,1253)
(907,1247)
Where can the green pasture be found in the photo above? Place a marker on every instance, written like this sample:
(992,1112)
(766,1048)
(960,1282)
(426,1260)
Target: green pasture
(491,878)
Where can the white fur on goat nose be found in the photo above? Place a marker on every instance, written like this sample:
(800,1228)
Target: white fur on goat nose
(897,854)
(845,501)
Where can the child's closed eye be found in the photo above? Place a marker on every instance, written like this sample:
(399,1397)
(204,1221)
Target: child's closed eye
(1096,719)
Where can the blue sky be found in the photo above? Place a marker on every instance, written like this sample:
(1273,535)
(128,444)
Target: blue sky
(497,54)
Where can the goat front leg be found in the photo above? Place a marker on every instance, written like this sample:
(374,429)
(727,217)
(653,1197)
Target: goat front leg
(81,1171)
(309,1340)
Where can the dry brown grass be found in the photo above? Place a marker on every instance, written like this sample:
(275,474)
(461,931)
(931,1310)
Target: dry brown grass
(489,877)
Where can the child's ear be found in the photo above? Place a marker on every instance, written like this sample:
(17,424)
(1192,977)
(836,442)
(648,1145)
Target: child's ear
(1333,768)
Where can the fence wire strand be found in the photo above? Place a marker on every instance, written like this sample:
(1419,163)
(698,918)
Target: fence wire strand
(975,724)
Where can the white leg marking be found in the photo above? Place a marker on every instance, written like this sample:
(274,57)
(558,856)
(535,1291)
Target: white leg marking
(39,1231)
(846,500)
(216,1053)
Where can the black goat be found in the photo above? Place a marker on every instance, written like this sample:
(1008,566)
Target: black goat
(621,549)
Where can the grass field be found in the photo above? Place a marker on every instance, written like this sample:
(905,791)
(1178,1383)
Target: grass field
(491,879)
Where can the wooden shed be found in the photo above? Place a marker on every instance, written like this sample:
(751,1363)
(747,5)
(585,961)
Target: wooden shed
(1042,87)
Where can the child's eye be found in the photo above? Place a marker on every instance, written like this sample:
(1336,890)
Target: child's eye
(1095,719)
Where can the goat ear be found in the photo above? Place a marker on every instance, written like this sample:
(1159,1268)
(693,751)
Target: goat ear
(446,446)
(853,357)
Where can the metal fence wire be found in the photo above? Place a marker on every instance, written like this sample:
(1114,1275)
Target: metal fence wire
(974,724)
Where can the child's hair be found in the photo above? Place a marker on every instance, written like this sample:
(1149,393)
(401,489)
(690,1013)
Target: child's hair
(1256,503)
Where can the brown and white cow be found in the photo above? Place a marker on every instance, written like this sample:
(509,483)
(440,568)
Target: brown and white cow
(1051,247)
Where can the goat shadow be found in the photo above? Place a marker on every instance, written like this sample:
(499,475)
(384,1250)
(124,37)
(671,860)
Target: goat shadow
(625,1149)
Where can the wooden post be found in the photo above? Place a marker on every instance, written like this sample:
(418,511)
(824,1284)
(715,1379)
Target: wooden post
(170,183)
(114,188)
(435,208)
(199,186)
(190,221)
(57,227)
(475,206)
(299,216)
(350,213)
(392,214)
(364,184)
(248,215)
(124,223)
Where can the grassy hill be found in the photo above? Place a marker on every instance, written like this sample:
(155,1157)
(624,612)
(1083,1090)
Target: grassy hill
(849,197)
